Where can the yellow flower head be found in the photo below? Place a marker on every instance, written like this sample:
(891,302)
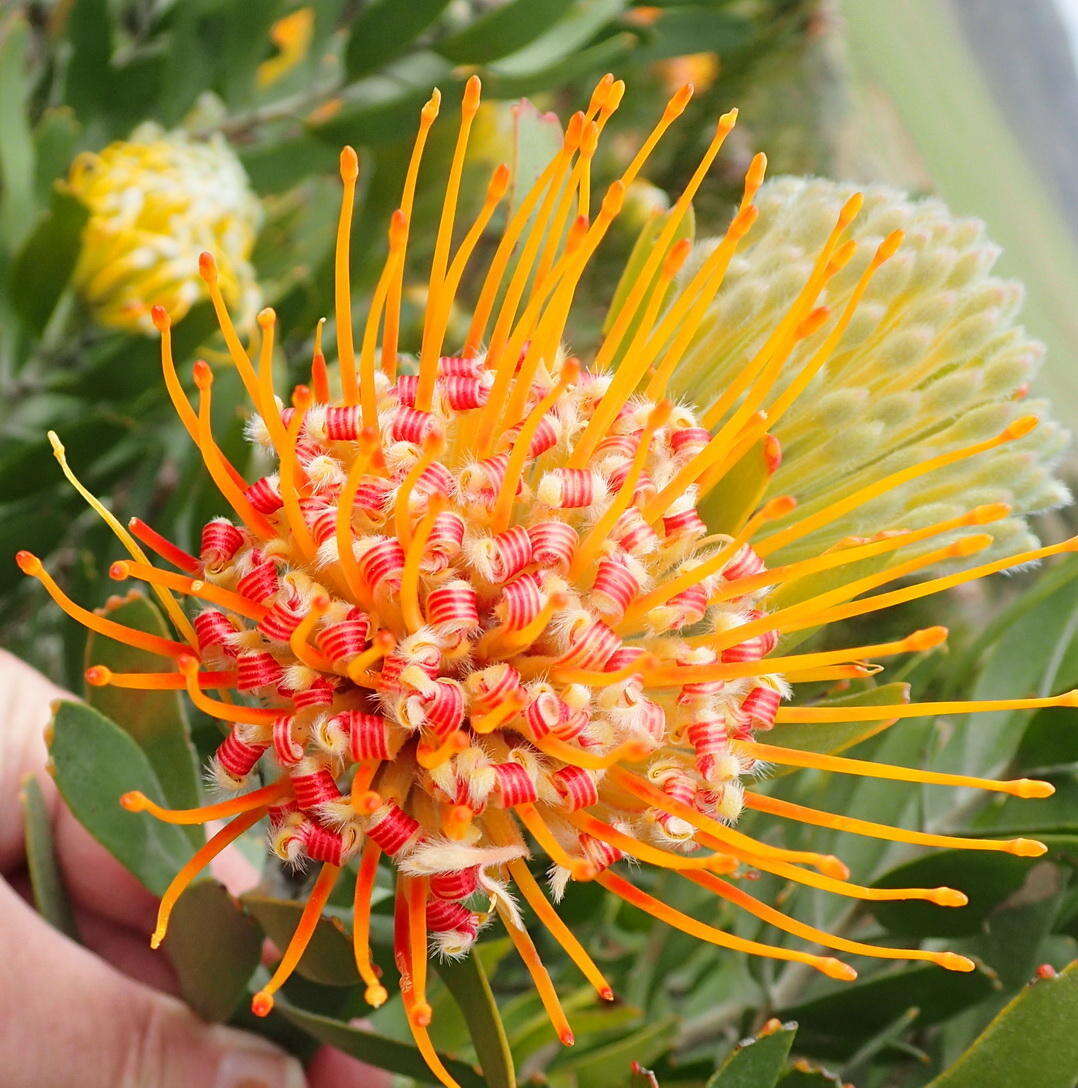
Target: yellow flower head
(156,202)
(473,612)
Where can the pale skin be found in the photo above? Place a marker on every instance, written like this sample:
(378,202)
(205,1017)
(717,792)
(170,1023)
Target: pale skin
(103,1014)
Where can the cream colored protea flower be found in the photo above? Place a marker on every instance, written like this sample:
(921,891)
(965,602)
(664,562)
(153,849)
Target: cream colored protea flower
(156,202)
(926,355)
(473,613)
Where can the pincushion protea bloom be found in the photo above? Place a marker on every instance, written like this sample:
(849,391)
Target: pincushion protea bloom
(477,612)
(156,201)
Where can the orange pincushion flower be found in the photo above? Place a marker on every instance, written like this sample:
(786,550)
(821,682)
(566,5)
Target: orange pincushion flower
(475,605)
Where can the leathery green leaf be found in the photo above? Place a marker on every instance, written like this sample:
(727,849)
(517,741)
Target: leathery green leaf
(468,983)
(328,958)
(1032,1042)
(376,1050)
(46,883)
(156,720)
(757,1062)
(94,762)
(213,947)
(607,1066)
(501,30)
(739,492)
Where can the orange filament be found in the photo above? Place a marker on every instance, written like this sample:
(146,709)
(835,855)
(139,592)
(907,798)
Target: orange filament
(775,508)
(842,556)
(677,675)
(136,801)
(920,710)
(245,715)
(550,918)
(297,640)
(792,757)
(832,511)
(675,107)
(592,542)
(457,821)
(626,376)
(199,860)
(164,547)
(353,577)
(662,859)
(580,867)
(630,752)
(522,942)
(773,346)
(319,372)
(364,800)
(650,905)
(503,504)
(409,591)
(382,643)
(431,447)
(936,585)
(452,744)
(266,404)
(193,587)
(718,836)
(129,636)
(427,116)
(492,719)
(342,278)
(823,353)
(262,1001)
(289,473)
(951,960)
(375,993)
(756,428)
(1025,848)
(415,897)
(100,676)
(207,268)
(513,229)
(502,643)
(816,611)
(215,461)
(437,302)
(176,614)
(855,671)
(398,238)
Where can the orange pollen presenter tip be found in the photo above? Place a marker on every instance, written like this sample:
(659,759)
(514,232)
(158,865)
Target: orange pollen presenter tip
(134,801)
(97,675)
(261,1004)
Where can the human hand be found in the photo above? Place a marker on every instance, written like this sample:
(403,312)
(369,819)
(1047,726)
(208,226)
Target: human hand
(103,1014)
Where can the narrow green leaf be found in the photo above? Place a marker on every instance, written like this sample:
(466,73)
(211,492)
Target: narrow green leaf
(757,1062)
(1032,1042)
(585,19)
(384,30)
(537,138)
(328,958)
(90,76)
(739,492)
(468,983)
(642,1078)
(55,142)
(501,30)
(608,1066)
(376,1050)
(836,1024)
(46,883)
(156,720)
(94,762)
(831,737)
(16,143)
(604,55)
(213,947)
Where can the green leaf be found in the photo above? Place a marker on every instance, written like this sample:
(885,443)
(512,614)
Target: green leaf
(42,268)
(376,1050)
(46,883)
(384,30)
(831,737)
(55,142)
(468,983)
(213,947)
(90,76)
(537,138)
(501,31)
(585,19)
(739,492)
(803,1074)
(835,1025)
(16,143)
(94,762)
(757,1062)
(988,878)
(156,720)
(640,1077)
(607,1066)
(1032,1042)
(604,55)
(328,958)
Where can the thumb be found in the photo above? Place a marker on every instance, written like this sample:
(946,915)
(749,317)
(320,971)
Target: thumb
(67,1016)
